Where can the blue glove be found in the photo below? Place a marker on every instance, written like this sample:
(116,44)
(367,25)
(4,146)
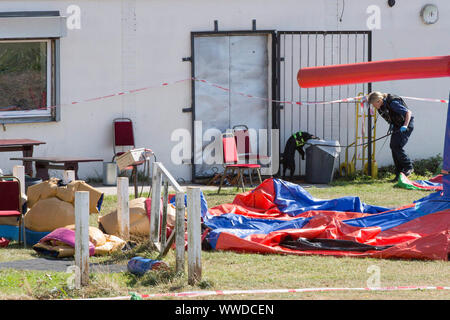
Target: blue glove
(403,129)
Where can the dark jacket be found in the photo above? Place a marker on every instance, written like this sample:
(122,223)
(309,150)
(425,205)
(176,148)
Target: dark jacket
(392,117)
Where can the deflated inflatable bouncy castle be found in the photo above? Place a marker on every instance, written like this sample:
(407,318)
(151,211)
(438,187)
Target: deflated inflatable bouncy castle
(281,217)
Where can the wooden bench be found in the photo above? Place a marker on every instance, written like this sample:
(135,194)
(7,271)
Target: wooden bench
(43,164)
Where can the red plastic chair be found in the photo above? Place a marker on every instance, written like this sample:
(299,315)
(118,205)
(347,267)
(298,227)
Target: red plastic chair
(123,141)
(244,147)
(123,136)
(10,202)
(231,159)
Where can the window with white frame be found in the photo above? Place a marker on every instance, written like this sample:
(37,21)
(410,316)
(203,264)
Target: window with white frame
(26,78)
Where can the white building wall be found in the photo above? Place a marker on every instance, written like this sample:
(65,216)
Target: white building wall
(99,59)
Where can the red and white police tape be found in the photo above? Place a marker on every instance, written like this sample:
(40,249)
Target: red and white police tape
(189,294)
(165,84)
(352,99)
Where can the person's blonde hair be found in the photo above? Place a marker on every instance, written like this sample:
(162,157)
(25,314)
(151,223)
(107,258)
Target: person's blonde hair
(374,96)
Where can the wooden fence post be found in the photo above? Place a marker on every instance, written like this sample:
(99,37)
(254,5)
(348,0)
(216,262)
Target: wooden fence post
(68,176)
(194,235)
(82,238)
(156,205)
(123,208)
(19,173)
(179,232)
(164,214)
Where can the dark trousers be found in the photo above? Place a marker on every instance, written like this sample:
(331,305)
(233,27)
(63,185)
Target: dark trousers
(398,141)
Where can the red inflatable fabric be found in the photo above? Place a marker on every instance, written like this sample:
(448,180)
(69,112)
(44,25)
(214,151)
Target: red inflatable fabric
(262,221)
(3,242)
(409,242)
(364,72)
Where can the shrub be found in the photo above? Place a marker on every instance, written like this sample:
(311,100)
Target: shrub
(428,167)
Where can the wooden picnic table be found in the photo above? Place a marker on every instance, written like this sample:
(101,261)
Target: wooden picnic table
(43,164)
(24,145)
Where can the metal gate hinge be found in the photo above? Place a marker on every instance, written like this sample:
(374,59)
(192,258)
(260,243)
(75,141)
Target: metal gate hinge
(186,59)
(187,109)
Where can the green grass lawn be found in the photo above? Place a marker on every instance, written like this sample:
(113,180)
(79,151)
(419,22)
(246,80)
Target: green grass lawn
(229,270)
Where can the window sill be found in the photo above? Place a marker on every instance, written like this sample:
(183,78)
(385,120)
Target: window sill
(33,119)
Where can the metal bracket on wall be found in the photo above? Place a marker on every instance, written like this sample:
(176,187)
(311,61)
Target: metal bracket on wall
(187,110)
(186,59)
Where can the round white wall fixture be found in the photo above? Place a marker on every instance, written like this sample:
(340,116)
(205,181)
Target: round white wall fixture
(429,14)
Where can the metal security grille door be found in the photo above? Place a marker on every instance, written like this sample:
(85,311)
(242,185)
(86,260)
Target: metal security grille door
(230,64)
(301,49)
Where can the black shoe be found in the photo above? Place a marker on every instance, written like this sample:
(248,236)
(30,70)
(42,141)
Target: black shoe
(409,172)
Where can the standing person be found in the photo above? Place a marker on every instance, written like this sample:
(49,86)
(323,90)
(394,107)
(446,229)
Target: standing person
(395,111)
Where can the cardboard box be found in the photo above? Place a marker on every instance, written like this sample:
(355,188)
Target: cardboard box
(130,157)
